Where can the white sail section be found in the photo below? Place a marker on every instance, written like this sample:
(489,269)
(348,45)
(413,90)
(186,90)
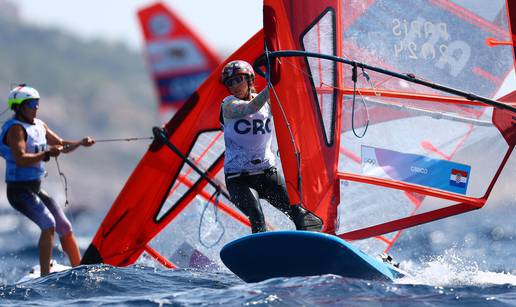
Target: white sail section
(441,41)
(413,134)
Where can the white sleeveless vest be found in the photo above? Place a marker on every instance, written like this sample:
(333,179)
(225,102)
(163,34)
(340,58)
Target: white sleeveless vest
(248,141)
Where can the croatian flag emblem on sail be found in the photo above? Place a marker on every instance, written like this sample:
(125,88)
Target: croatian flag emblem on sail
(458,178)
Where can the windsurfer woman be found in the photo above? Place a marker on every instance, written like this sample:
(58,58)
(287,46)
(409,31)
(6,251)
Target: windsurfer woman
(26,142)
(249,161)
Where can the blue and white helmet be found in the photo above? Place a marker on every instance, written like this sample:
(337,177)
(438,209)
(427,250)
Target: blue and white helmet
(20,94)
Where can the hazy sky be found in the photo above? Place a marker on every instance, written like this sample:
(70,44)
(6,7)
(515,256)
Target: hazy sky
(224,24)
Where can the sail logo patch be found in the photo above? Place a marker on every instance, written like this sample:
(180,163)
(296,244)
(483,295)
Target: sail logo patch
(458,178)
(415,169)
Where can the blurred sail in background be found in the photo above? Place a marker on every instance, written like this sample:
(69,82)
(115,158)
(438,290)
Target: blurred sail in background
(178,59)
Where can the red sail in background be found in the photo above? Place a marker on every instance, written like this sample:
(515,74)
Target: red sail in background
(178,59)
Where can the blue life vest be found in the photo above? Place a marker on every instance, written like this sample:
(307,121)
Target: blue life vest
(36,142)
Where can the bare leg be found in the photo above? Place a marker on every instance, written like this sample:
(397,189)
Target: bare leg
(70,247)
(46,241)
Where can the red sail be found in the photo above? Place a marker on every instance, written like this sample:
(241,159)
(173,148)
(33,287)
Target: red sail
(309,143)
(142,208)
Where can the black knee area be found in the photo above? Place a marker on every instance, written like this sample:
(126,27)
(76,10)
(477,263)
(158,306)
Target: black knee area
(254,214)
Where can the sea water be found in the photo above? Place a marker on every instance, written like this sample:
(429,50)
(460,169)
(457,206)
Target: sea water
(462,260)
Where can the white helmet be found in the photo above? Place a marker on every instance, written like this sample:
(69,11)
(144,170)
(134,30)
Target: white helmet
(20,94)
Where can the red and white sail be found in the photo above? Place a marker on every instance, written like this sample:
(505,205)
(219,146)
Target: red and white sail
(178,59)
(400,143)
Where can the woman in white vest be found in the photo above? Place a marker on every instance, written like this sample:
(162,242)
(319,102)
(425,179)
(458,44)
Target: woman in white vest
(249,163)
(26,143)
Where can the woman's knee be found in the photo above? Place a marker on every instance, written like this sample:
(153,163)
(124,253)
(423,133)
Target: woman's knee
(251,208)
(46,222)
(255,215)
(62,224)
(63,228)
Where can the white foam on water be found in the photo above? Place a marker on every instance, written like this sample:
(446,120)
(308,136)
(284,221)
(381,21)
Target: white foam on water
(35,271)
(451,269)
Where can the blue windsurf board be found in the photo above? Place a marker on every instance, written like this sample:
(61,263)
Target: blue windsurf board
(261,256)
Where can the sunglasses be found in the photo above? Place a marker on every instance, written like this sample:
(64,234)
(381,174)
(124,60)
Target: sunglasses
(234,80)
(32,103)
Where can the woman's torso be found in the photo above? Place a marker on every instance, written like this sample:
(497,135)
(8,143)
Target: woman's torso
(248,141)
(35,142)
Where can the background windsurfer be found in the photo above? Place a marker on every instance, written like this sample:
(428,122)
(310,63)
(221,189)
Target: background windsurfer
(26,143)
(249,163)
